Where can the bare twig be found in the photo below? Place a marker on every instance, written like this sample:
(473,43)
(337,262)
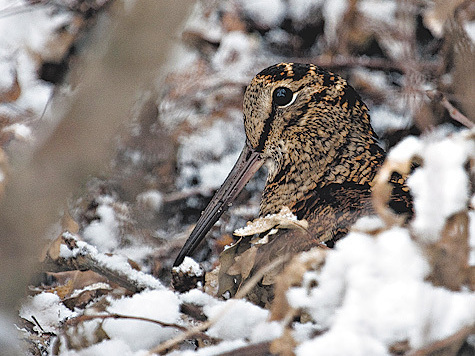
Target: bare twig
(83,318)
(436,95)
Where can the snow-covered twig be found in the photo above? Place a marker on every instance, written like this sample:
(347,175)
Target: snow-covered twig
(72,254)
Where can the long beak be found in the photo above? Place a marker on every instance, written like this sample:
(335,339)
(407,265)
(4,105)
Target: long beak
(246,166)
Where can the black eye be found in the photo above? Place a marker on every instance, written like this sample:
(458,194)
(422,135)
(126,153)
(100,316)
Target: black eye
(282,96)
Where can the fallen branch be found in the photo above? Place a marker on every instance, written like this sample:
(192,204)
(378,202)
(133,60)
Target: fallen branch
(68,253)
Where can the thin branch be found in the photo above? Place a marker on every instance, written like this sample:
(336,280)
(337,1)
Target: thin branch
(436,95)
(83,318)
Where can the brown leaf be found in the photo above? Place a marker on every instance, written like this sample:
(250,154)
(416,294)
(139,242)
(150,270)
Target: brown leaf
(244,263)
(449,255)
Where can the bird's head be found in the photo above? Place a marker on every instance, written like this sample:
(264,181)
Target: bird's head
(308,124)
(293,104)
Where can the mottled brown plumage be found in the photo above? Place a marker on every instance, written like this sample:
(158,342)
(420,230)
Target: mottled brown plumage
(314,133)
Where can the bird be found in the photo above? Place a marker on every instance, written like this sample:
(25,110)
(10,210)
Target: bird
(313,132)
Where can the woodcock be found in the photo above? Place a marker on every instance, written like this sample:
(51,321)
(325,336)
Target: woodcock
(314,133)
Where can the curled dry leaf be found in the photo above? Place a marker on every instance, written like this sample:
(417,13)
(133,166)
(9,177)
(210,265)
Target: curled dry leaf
(284,219)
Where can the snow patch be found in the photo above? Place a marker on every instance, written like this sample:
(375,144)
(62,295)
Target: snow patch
(383,119)
(371,293)
(440,187)
(48,310)
(209,155)
(106,347)
(267,13)
(241,314)
(162,305)
(190,267)
(151,199)
(379,10)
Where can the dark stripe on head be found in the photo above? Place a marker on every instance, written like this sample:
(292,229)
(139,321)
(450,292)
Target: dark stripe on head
(265,131)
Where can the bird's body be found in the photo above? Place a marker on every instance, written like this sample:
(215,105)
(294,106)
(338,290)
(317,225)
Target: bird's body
(314,133)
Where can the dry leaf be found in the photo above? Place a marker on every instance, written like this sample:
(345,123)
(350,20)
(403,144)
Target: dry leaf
(285,219)
(449,255)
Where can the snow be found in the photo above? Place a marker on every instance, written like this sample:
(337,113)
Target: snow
(190,267)
(266,331)
(235,54)
(284,218)
(225,346)
(470,29)
(197,297)
(209,154)
(333,12)
(267,13)
(151,199)
(471,215)
(380,10)
(7,74)
(368,223)
(405,150)
(20,44)
(20,131)
(48,311)
(207,24)
(162,305)
(106,347)
(440,187)
(300,9)
(371,293)
(241,314)
(103,233)
(383,120)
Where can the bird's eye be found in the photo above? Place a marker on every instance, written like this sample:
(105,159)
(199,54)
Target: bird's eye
(282,96)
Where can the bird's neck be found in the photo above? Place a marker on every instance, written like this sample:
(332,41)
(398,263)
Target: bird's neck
(353,160)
